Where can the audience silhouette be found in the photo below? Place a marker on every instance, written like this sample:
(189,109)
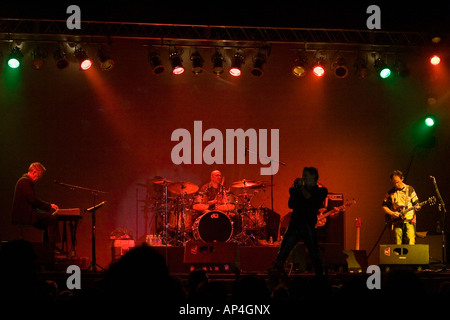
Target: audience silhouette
(142,274)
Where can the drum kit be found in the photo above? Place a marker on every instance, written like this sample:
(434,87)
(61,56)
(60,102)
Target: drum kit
(182,213)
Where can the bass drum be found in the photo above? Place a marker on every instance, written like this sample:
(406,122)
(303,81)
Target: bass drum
(213,226)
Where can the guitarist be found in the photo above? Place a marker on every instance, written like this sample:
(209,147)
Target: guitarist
(401,196)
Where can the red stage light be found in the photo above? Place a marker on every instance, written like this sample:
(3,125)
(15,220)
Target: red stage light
(235,72)
(319,71)
(435,60)
(86,64)
(178,70)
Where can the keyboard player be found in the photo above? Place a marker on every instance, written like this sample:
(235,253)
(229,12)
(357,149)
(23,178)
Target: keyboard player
(28,209)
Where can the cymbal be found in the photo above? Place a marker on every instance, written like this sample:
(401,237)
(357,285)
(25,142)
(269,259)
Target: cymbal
(244,183)
(183,187)
(155,180)
(160,181)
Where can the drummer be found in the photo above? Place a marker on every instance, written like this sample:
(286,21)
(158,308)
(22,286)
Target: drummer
(214,190)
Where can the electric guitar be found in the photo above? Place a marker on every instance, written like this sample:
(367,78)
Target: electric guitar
(407,213)
(322,217)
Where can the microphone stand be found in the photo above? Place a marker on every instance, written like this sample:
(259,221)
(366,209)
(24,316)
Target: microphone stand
(93,266)
(442,209)
(271,172)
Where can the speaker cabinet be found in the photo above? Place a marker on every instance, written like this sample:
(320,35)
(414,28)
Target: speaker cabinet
(356,260)
(435,243)
(213,256)
(405,254)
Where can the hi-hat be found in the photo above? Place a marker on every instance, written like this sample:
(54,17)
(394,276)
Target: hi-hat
(183,187)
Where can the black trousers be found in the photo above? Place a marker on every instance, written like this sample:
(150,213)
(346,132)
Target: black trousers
(293,235)
(49,224)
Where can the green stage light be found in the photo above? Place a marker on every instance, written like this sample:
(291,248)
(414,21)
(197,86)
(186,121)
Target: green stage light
(383,70)
(385,73)
(429,121)
(15,58)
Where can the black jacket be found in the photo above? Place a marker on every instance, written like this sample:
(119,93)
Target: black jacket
(306,210)
(26,204)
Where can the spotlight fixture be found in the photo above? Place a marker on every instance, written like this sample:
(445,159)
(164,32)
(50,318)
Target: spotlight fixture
(61,59)
(361,68)
(236,64)
(197,63)
(258,61)
(383,70)
(340,69)
(319,69)
(38,56)
(83,58)
(217,60)
(435,60)
(300,66)
(400,68)
(106,63)
(155,60)
(176,62)
(430,121)
(15,58)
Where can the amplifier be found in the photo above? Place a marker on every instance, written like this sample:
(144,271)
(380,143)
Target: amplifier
(391,254)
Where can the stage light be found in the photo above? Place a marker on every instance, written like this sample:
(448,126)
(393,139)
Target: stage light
(300,67)
(197,63)
(217,60)
(383,70)
(258,62)
(430,121)
(319,70)
(236,64)
(155,60)
(435,60)
(106,62)
(15,58)
(340,69)
(38,56)
(176,62)
(61,59)
(83,58)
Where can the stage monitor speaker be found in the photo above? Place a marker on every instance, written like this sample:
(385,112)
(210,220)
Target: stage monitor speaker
(404,254)
(435,243)
(331,253)
(215,256)
(356,260)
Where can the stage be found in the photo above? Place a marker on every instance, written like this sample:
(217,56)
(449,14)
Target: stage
(227,265)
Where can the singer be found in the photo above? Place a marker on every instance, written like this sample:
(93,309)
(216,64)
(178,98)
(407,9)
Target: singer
(27,209)
(306,198)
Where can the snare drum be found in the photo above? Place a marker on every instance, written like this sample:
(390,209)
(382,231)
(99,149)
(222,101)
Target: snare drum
(227,204)
(213,226)
(200,202)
